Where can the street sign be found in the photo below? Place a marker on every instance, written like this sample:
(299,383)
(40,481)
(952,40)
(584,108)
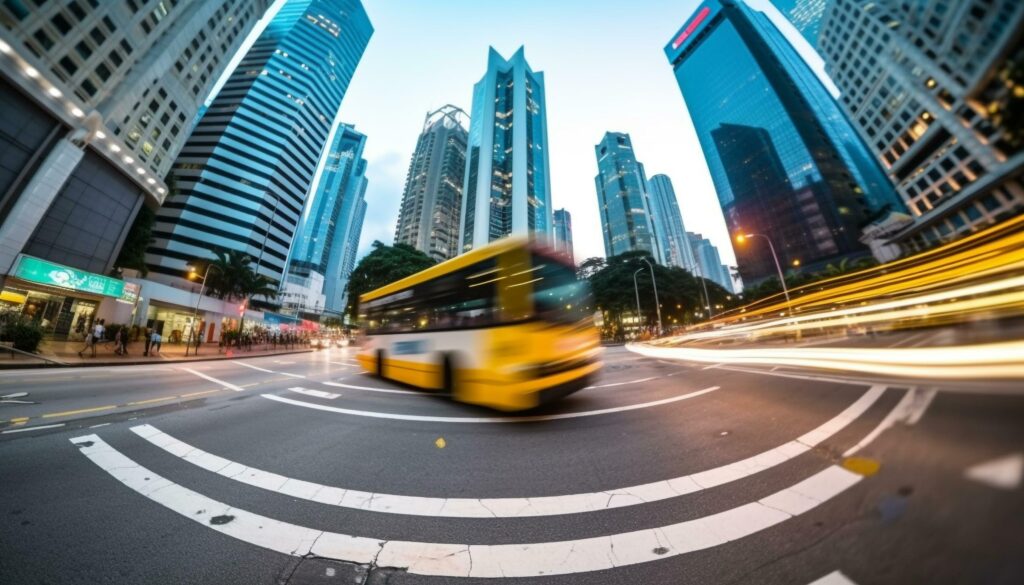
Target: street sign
(40,271)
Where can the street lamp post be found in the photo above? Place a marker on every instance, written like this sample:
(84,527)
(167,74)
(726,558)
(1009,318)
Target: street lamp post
(195,312)
(782,279)
(657,305)
(636,289)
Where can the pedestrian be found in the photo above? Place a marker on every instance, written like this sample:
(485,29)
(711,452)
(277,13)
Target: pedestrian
(149,341)
(98,330)
(88,343)
(155,342)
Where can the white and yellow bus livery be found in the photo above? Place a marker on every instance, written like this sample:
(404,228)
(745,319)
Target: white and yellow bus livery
(508,326)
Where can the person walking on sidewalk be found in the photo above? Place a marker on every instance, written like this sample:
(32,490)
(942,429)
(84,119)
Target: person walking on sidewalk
(149,340)
(97,334)
(155,341)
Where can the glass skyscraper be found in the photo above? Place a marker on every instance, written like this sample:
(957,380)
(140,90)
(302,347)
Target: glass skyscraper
(626,218)
(507,187)
(784,160)
(675,246)
(321,244)
(708,262)
(805,16)
(563,233)
(243,176)
(428,219)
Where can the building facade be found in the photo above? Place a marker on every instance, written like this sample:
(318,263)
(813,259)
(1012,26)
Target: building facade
(428,219)
(352,248)
(627,221)
(931,86)
(320,247)
(805,15)
(507,184)
(244,175)
(708,262)
(668,219)
(563,233)
(92,111)
(784,161)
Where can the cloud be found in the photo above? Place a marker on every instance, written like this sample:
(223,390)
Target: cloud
(385,174)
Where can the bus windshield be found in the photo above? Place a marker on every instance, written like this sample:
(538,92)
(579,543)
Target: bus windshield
(558,296)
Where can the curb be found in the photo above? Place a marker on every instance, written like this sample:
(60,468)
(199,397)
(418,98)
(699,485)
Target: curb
(148,362)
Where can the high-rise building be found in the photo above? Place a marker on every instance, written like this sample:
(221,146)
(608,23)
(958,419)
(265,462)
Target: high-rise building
(784,161)
(316,268)
(668,220)
(709,261)
(507,187)
(563,233)
(805,15)
(95,100)
(934,87)
(626,216)
(352,247)
(243,176)
(428,219)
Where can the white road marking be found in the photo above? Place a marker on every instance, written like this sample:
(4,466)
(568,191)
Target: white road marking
(38,428)
(291,375)
(510,507)
(472,560)
(254,367)
(834,578)
(316,393)
(1003,473)
(384,390)
(711,367)
(909,410)
(341,364)
(99,425)
(621,383)
(502,419)
(215,380)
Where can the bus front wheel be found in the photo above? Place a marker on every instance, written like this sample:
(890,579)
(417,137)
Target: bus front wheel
(448,374)
(380,363)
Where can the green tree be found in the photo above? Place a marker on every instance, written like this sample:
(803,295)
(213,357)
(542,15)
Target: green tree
(140,236)
(679,293)
(232,277)
(384,265)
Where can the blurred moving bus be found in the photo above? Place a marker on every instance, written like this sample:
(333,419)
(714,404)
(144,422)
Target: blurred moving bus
(506,326)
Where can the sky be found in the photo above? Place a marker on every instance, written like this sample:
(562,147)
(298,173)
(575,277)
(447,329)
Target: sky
(604,70)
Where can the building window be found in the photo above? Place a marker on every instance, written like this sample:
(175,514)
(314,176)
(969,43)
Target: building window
(76,9)
(103,71)
(89,87)
(61,24)
(83,50)
(115,58)
(68,65)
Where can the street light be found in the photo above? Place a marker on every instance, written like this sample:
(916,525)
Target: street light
(704,285)
(740,238)
(636,289)
(657,305)
(195,313)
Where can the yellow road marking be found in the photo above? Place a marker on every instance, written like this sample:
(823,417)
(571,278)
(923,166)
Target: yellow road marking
(81,411)
(199,393)
(862,465)
(440,442)
(151,400)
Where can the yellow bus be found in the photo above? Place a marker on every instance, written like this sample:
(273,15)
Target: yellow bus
(506,326)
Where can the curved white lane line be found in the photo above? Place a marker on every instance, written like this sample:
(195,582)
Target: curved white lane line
(215,380)
(489,419)
(382,390)
(475,560)
(509,507)
(621,383)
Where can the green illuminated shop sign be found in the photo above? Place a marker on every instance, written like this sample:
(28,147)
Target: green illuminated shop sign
(48,273)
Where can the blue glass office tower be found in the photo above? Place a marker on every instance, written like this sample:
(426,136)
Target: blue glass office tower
(243,176)
(507,187)
(352,247)
(805,15)
(563,233)
(322,242)
(708,262)
(783,158)
(668,220)
(626,217)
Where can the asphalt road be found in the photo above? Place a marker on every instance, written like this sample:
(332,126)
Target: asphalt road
(300,469)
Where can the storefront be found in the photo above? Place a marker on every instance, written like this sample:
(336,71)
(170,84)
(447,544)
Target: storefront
(61,299)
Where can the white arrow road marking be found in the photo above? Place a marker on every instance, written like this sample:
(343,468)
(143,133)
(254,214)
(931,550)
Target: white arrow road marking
(316,393)
(495,419)
(215,380)
(834,578)
(472,560)
(509,507)
(909,410)
(1003,473)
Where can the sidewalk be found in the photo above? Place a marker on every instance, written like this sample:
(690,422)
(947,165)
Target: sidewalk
(65,353)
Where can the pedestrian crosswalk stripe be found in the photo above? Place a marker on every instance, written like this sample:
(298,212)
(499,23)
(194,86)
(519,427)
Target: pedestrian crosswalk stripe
(834,578)
(314,393)
(475,560)
(491,419)
(509,507)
